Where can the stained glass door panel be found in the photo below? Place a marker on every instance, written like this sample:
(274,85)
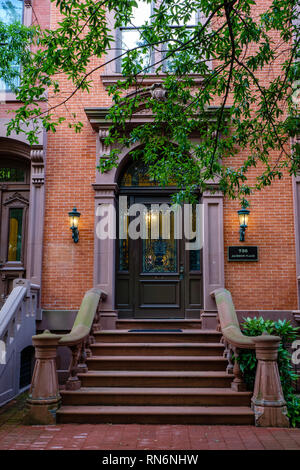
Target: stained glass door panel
(159,249)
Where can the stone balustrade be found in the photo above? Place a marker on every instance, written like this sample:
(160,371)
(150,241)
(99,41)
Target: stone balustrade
(268,402)
(17,325)
(44,397)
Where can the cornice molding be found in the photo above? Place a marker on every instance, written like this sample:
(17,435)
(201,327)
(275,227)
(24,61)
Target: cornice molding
(150,79)
(97,117)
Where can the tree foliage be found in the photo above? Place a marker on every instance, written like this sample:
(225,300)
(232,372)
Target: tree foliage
(229,81)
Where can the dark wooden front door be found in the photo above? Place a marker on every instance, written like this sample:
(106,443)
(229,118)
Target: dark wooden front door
(157,278)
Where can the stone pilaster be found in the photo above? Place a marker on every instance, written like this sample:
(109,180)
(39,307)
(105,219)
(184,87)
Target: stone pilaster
(104,255)
(213,254)
(36,215)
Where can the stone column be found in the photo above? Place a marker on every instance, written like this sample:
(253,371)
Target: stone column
(213,254)
(44,398)
(104,258)
(268,402)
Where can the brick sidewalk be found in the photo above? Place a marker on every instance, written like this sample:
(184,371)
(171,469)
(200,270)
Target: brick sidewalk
(15,436)
(146,437)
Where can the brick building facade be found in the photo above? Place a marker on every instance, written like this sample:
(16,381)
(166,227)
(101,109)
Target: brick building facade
(39,186)
(70,160)
(69,178)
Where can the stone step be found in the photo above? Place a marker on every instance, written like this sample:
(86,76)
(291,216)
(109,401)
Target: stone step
(189,336)
(155,396)
(180,379)
(196,363)
(157,349)
(156,414)
(128,324)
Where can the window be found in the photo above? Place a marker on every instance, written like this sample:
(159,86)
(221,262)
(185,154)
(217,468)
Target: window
(12,174)
(15,234)
(129,35)
(137,175)
(189,27)
(10,12)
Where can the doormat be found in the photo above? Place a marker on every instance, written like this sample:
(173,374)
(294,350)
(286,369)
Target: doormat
(156,330)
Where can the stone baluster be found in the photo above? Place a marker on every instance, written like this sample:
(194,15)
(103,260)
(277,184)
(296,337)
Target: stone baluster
(238,383)
(89,341)
(44,398)
(218,327)
(268,402)
(73,382)
(82,366)
(96,323)
(228,355)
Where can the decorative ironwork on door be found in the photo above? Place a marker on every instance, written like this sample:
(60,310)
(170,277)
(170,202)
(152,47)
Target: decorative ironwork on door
(159,254)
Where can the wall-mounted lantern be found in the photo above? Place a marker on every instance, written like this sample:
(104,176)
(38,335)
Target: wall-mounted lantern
(243,218)
(74,220)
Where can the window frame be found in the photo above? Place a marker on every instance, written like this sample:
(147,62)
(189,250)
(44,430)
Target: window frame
(155,55)
(6,95)
(198,19)
(118,37)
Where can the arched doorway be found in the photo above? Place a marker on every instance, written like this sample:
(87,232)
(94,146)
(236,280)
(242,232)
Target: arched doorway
(14,208)
(156,275)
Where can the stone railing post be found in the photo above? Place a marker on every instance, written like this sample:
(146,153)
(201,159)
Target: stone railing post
(44,398)
(268,402)
(73,382)
(238,382)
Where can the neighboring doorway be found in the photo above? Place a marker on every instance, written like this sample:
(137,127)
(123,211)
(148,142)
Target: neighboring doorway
(155,277)
(14,205)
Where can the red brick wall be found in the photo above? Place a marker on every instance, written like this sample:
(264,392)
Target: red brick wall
(269,283)
(70,172)
(68,268)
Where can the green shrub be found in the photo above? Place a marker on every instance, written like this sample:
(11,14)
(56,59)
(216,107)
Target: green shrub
(247,360)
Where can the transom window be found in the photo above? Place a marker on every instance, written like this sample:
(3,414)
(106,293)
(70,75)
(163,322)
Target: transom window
(137,175)
(130,35)
(12,174)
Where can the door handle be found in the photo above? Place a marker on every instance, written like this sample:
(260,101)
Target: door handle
(181,271)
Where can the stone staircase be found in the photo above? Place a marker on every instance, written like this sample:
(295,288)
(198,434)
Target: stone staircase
(156,377)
